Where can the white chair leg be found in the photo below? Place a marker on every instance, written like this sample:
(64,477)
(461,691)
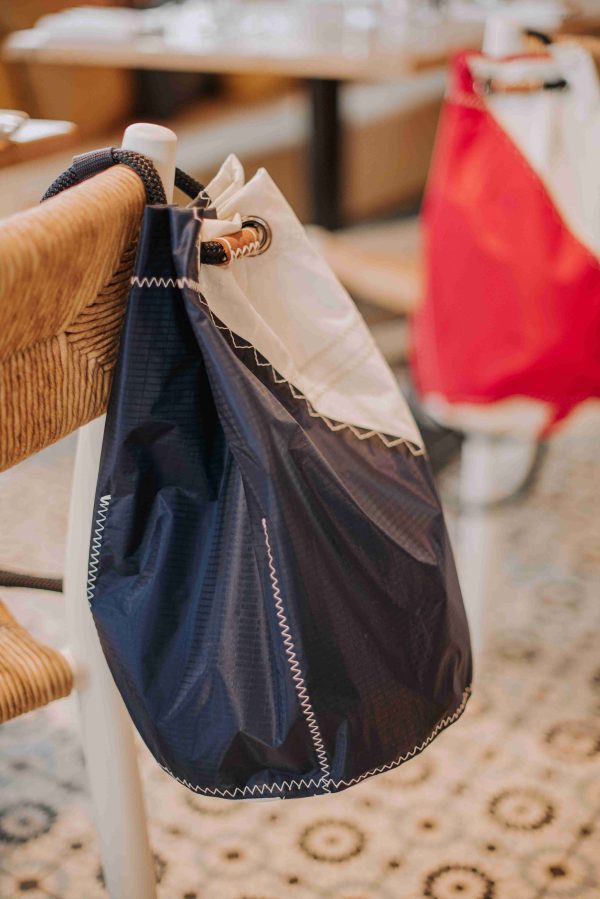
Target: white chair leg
(474,543)
(106,730)
(491,469)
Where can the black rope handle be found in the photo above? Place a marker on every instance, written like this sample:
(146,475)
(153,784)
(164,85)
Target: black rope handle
(88,164)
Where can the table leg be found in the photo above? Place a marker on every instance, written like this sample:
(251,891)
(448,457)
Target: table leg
(325,152)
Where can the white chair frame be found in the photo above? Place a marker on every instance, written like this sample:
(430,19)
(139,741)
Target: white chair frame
(106,731)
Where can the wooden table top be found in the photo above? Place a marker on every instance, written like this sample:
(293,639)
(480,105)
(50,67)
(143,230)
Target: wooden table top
(383,57)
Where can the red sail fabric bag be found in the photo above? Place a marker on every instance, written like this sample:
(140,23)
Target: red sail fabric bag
(511,227)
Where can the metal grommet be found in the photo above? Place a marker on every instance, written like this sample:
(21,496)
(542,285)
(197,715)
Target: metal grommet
(264,231)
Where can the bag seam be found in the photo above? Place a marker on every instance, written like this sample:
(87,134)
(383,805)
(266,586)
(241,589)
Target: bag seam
(288,785)
(294,665)
(332,424)
(96,546)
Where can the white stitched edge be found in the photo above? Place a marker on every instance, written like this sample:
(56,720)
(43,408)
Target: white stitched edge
(333,425)
(249,248)
(246,250)
(96,545)
(250,791)
(299,683)
(443,723)
(240,792)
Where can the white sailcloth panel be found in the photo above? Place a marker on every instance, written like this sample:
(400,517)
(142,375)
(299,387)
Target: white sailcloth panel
(288,304)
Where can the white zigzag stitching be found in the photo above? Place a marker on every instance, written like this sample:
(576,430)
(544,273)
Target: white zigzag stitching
(443,723)
(333,425)
(246,250)
(299,683)
(240,792)
(95,547)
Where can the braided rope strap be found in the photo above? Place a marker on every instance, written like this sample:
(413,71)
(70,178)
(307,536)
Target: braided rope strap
(88,164)
(252,240)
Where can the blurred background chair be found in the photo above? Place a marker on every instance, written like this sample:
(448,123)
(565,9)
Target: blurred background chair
(503,441)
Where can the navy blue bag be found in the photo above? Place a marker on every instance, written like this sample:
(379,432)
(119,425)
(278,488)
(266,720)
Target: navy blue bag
(270,572)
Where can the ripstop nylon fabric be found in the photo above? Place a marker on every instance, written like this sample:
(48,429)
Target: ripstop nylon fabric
(273,587)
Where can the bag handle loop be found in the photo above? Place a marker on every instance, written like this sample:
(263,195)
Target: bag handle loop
(252,240)
(88,164)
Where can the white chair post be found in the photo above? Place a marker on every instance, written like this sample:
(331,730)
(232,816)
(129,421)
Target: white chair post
(106,730)
(475,529)
(158,144)
(493,467)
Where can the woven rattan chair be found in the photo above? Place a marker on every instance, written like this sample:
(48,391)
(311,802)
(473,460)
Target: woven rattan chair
(64,274)
(31,675)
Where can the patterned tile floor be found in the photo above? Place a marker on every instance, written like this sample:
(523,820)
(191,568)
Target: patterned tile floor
(504,805)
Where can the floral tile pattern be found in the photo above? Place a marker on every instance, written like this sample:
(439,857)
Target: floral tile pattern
(504,805)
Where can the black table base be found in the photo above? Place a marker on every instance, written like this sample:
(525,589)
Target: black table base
(325,153)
